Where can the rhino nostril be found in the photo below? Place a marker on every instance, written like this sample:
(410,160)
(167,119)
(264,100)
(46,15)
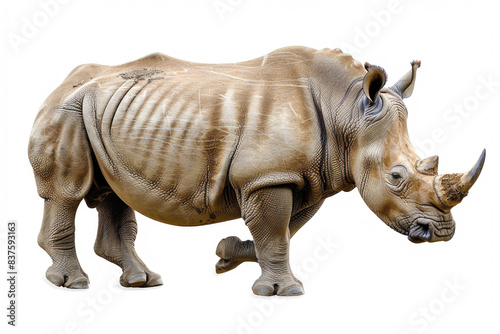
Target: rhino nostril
(424,226)
(421,229)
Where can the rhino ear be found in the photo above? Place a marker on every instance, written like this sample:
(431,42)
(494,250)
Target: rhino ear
(373,81)
(404,87)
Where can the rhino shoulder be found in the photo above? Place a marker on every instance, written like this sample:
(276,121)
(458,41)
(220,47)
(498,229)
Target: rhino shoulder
(290,53)
(156,59)
(341,58)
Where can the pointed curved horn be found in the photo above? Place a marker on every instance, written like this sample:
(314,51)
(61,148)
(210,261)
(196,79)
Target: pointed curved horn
(470,178)
(452,188)
(404,86)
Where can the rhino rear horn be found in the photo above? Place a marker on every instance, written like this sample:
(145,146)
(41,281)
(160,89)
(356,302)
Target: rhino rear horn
(428,166)
(373,81)
(452,188)
(404,86)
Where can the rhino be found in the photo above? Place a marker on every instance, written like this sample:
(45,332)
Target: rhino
(266,140)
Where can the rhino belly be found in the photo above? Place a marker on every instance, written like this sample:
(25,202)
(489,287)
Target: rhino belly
(166,151)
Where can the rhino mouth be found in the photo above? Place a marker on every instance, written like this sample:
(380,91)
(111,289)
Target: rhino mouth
(429,230)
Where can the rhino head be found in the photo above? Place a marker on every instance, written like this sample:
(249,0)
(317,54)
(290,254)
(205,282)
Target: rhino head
(402,189)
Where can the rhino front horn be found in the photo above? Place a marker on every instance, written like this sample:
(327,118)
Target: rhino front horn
(452,188)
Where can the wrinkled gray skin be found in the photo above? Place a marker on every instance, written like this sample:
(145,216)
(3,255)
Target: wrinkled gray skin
(266,140)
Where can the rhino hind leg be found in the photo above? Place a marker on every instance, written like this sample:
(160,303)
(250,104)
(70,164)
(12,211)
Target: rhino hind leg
(267,215)
(233,252)
(60,156)
(115,242)
(57,238)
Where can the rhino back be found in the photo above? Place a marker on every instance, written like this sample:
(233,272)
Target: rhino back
(178,141)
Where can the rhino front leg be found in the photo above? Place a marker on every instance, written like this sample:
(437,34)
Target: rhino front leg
(115,242)
(267,214)
(232,251)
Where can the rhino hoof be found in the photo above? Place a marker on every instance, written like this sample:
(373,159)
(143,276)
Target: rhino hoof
(264,289)
(84,284)
(56,280)
(227,250)
(76,280)
(144,279)
(138,280)
(224,265)
(294,290)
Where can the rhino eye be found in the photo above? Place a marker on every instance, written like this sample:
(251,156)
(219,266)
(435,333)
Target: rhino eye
(396,176)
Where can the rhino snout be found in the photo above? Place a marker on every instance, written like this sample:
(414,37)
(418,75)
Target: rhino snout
(424,229)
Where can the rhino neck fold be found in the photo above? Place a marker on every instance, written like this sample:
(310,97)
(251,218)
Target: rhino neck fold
(338,134)
(336,81)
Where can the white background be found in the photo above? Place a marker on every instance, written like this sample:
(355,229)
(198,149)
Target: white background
(374,280)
